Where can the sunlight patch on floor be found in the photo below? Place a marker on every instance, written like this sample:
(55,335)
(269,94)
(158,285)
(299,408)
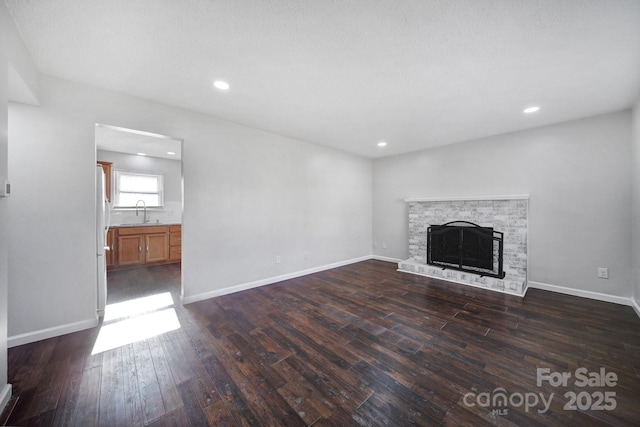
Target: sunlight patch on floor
(136,320)
(135,329)
(137,306)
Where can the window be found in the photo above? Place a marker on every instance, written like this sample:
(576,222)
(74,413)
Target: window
(131,187)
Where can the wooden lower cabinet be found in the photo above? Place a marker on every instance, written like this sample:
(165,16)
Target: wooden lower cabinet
(110,253)
(148,245)
(157,247)
(130,250)
(175,243)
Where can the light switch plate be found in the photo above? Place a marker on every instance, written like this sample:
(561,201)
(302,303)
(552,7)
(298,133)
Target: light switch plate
(5,188)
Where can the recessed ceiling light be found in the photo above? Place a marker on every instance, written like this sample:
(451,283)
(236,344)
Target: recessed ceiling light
(171,153)
(382,144)
(221,85)
(531,110)
(141,154)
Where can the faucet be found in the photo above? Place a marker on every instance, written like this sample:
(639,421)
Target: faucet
(144,216)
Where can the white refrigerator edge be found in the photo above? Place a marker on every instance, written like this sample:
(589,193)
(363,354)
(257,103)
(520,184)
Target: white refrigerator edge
(102,226)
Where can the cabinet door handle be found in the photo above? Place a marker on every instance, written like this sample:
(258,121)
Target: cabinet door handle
(139,248)
(147,248)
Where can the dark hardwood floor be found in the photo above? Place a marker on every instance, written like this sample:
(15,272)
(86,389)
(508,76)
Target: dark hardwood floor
(357,345)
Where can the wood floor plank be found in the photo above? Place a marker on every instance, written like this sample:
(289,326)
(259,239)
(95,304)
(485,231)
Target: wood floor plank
(133,409)
(50,387)
(300,336)
(408,406)
(148,383)
(30,368)
(360,345)
(170,397)
(234,400)
(177,418)
(344,381)
(192,409)
(177,359)
(301,394)
(274,352)
(79,401)
(86,411)
(23,408)
(343,394)
(372,414)
(257,382)
(204,390)
(218,415)
(112,394)
(258,358)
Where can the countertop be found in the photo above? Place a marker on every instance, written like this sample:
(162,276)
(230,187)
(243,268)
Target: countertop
(149,224)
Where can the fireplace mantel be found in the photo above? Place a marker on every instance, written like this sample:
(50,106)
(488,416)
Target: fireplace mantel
(470,198)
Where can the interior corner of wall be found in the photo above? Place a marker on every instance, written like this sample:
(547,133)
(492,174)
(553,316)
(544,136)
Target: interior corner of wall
(635,303)
(21,90)
(5,395)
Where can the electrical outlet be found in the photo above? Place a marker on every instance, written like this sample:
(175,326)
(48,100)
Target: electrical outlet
(278,259)
(603,272)
(384,245)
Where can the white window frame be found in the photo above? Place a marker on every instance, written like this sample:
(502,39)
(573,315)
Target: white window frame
(116,190)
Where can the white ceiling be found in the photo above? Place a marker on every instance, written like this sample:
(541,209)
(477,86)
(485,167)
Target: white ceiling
(121,140)
(347,74)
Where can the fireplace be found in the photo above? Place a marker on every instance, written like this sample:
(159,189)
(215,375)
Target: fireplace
(497,216)
(465,246)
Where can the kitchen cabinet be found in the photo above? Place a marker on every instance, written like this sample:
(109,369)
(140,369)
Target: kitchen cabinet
(175,242)
(111,245)
(156,247)
(146,245)
(130,250)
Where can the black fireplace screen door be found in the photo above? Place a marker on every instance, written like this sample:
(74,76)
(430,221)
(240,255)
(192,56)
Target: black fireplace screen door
(465,246)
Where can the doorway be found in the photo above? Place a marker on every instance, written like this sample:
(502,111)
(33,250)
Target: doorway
(143,187)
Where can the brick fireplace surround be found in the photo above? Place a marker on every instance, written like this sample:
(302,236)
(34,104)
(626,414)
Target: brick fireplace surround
(507,214)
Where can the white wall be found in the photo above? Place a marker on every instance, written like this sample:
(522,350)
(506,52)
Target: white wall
(578,176)
(4,241)
(249,196)
(636,204)
(18,81)
(171,170)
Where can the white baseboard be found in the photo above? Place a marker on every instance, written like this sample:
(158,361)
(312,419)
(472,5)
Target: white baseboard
(636,306)
(269,281)
(586,294)
(385,258)
(5,395)
(55,331)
